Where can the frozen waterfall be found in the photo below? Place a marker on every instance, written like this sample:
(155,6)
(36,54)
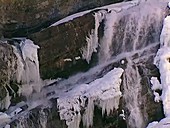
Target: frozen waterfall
(131,36)
(27,67)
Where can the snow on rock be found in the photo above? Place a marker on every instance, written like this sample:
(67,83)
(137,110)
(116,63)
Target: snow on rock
(104,92)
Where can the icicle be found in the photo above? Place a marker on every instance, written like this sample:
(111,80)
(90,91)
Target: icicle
(5,103)
(75,122)
(106,90)
(43,119)
(92,38)
(110,101)
(89,112)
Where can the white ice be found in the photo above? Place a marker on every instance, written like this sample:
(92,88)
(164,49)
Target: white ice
(92,38)
(165,36)
(30,57)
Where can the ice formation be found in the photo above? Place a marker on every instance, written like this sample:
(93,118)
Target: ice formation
(27,67)
(165,37)
(103,92)
(30,57)
(162,61)
(92,38)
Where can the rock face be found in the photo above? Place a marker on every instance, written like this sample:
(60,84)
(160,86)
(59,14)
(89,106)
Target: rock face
(22,17)
(7,71)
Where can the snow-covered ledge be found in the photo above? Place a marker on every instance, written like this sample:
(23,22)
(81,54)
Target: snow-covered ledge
(103,92)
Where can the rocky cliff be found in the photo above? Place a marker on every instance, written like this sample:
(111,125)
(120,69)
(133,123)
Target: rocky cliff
(22,17)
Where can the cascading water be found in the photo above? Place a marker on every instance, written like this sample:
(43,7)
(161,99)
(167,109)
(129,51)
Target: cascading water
(131,35)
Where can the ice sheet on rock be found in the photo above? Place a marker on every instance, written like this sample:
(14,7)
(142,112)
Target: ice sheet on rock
(106,90)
